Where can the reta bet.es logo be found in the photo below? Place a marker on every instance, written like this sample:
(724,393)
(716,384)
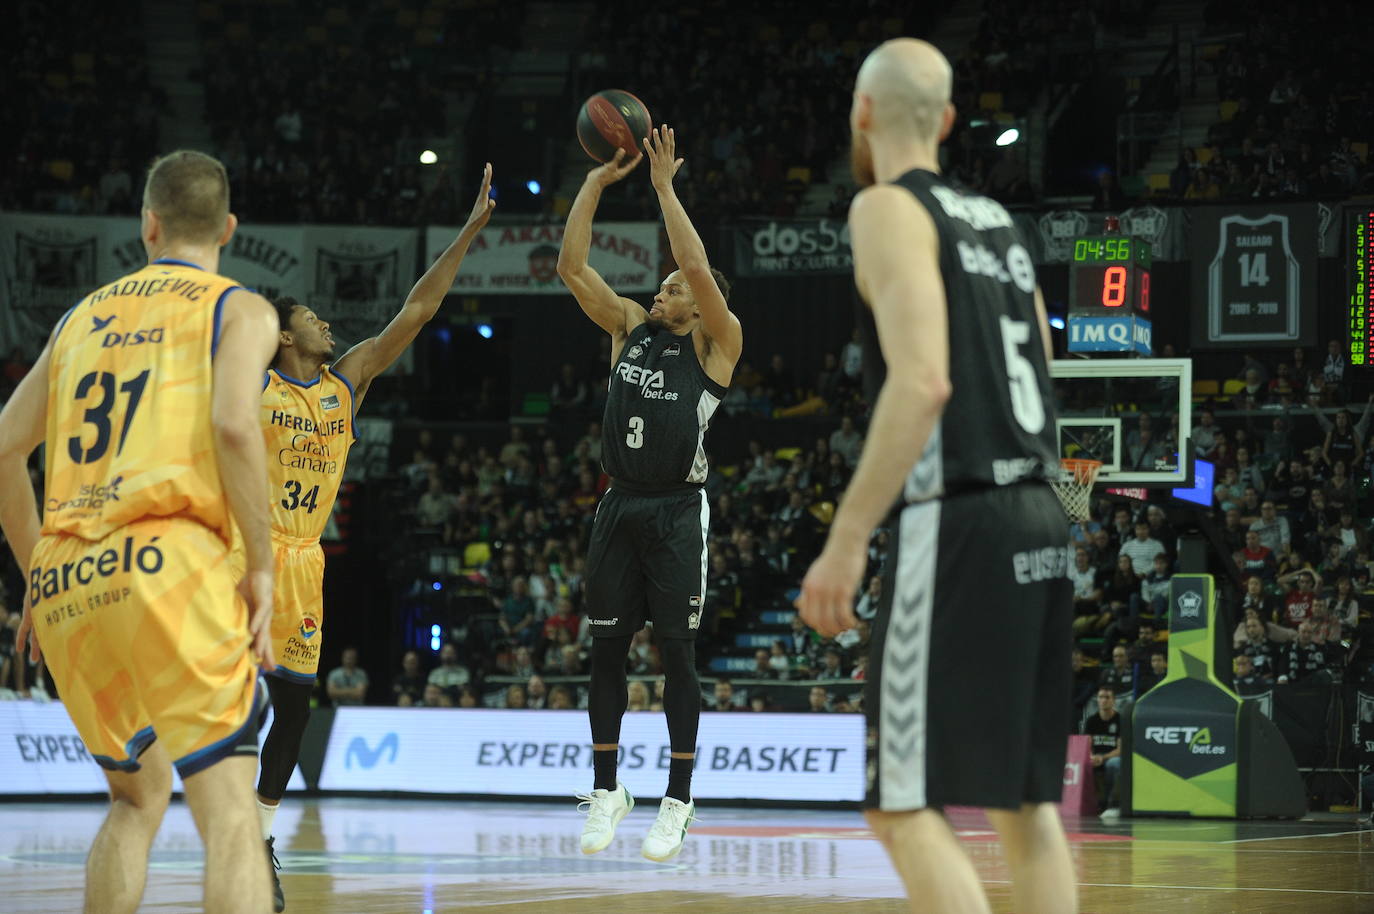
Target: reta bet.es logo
(1197,739)
(650,383)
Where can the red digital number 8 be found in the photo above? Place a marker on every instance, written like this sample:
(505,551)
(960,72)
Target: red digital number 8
(1144,291)
(1114,287)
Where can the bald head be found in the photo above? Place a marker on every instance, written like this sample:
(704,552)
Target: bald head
(908,82)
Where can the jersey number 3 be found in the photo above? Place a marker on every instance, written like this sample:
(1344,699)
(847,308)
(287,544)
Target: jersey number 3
(1026,404)
(635,438)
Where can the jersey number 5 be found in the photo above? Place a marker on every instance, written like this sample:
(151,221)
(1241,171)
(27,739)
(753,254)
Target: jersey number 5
(1026,404)
(635,438)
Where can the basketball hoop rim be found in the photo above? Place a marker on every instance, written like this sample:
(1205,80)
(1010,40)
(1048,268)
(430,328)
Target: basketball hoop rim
(1082,469)
(1074,487)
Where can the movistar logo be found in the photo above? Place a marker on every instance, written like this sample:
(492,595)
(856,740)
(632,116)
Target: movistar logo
(368,757)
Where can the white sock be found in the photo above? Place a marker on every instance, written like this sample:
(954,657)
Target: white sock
(265,815)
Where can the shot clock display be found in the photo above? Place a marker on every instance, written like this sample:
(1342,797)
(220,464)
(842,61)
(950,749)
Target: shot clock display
(1110,274)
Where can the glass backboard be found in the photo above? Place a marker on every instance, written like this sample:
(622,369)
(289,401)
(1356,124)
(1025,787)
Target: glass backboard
(1134,415)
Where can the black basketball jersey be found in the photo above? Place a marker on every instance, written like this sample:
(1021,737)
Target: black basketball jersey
(998,426)
(660,403)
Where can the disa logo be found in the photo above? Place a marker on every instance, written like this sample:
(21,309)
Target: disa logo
(115,340)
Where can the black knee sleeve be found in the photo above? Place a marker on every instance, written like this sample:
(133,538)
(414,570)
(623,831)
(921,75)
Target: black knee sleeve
(282,748)
(681,693)
(607,695)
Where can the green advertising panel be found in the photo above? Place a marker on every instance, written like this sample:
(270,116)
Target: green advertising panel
(1194,747)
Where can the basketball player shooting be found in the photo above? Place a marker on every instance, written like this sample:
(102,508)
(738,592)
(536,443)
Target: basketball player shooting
(956,349)
(308,406)
(670,369)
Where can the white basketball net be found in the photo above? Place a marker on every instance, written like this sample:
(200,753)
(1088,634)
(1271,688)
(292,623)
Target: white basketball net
(1075,487)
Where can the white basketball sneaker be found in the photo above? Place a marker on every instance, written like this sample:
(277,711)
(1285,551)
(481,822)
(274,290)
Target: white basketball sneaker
(664,840)
(604,808)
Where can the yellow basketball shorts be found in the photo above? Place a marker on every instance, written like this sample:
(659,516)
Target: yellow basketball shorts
(297,610)
(297,603)
(147,640)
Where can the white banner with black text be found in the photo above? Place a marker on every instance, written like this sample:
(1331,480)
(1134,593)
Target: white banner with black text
(355,278)
(523,259)
(811,757)
(41,753)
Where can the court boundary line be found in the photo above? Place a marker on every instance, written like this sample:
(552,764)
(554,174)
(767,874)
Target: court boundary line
(1196,888)
(1329,834)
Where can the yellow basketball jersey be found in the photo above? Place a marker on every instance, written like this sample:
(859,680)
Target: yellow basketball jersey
(129,396)
(308,426)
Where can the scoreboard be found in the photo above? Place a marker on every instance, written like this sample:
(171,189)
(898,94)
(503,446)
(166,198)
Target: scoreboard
(1111,275)
(1109,295)
(1359,258)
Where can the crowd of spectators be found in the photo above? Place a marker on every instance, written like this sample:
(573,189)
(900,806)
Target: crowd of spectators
(1293,463)
(1296,119)
(1293,457)
(315,118)
(80,114)
(1021,50)
(760,91)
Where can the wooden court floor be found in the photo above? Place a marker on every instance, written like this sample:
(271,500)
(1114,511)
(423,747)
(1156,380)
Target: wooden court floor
(356,856)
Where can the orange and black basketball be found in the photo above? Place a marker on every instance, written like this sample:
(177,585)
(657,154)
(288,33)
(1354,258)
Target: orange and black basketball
(613,119)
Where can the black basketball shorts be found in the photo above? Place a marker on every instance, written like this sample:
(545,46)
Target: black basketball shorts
(647,561)
(969,670)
